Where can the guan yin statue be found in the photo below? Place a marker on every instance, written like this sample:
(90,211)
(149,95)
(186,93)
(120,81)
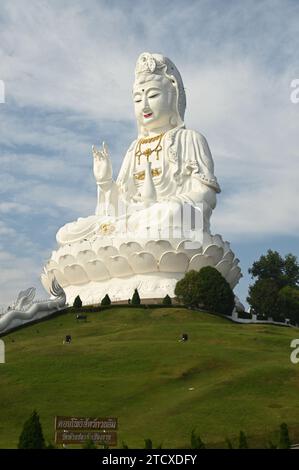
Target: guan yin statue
(152,224)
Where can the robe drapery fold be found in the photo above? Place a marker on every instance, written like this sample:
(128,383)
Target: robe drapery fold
(185,176)
(186,160)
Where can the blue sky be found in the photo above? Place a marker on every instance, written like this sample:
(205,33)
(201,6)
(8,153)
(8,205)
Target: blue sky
(68,69)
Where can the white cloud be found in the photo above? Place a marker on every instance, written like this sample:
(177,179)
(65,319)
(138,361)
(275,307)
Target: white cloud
(68,69)
(7,207)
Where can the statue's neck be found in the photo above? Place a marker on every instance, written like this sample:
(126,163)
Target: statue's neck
(158,130)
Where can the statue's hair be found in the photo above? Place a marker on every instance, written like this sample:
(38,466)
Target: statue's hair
(148,77)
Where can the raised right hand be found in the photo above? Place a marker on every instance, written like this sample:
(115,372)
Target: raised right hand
(102,167)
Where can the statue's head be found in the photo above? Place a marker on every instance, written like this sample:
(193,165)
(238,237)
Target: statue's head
(158,93)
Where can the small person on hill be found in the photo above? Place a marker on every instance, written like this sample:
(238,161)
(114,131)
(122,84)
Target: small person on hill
(67,340)
(183,338)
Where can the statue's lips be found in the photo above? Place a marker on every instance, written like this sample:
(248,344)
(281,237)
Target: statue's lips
(148,115)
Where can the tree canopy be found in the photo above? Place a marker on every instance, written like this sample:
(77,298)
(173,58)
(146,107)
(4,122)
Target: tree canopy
(32,434)
(284,271)
(275,292)
(208,289)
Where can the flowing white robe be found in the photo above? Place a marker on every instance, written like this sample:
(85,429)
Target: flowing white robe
(186,177)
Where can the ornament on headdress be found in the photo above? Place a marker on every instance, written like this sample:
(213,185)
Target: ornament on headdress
(147,63)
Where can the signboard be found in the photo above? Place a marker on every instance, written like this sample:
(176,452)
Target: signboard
(74,430)
(86,424)
(108,438)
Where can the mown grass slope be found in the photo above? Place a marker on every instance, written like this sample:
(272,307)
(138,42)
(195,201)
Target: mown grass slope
(128,363)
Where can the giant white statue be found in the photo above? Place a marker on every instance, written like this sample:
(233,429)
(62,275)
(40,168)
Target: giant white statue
(151,224)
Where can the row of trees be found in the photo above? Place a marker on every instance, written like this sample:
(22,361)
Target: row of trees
(134,301)
(205,289)
(32,438)
(275,292)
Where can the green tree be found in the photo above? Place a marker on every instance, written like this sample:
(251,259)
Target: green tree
(32,435)
(106,300)
(263,298)
(271,445)
(284,439)
(135,298)
(50,445)
(243,441)
(77,302)
(167,300)
(288,301)
(284,271)
(148,444)
(208,289)
(229,443)
(187,289)
(196,442)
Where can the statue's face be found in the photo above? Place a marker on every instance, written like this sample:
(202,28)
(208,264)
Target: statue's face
(154,103)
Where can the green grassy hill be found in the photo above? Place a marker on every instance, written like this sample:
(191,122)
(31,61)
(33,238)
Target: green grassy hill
(128,363)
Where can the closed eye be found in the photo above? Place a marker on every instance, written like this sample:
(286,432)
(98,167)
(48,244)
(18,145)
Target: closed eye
(154,96)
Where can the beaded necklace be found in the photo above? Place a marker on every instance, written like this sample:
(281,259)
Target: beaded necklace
(148,151)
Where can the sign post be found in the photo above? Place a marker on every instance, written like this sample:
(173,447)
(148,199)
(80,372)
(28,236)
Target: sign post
(74,430)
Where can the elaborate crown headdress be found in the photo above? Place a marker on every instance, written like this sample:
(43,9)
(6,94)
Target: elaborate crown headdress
(148,63)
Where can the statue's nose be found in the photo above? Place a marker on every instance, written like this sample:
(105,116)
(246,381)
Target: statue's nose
(145,105)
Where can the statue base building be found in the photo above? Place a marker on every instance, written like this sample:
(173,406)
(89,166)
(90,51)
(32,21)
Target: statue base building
(92,269)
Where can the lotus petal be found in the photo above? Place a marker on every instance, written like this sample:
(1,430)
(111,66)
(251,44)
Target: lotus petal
(127,249)
(51,264)
(143,262)
(190,248)
(229,256)
(233,276)
(55,256)
(118,266)
(223,267)
(233,284)
(75,274)
(158,247)
(173,262)
(216,252)
(207,240)
(226,247)
(61,279)
(96,270)
(97,243)
(85,256)
(80,246)
(217,240)
(200,261)
(107,251)
(64,250)
(65,260)
(46,282)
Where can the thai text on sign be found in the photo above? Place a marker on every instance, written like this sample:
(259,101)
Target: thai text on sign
(73,423)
